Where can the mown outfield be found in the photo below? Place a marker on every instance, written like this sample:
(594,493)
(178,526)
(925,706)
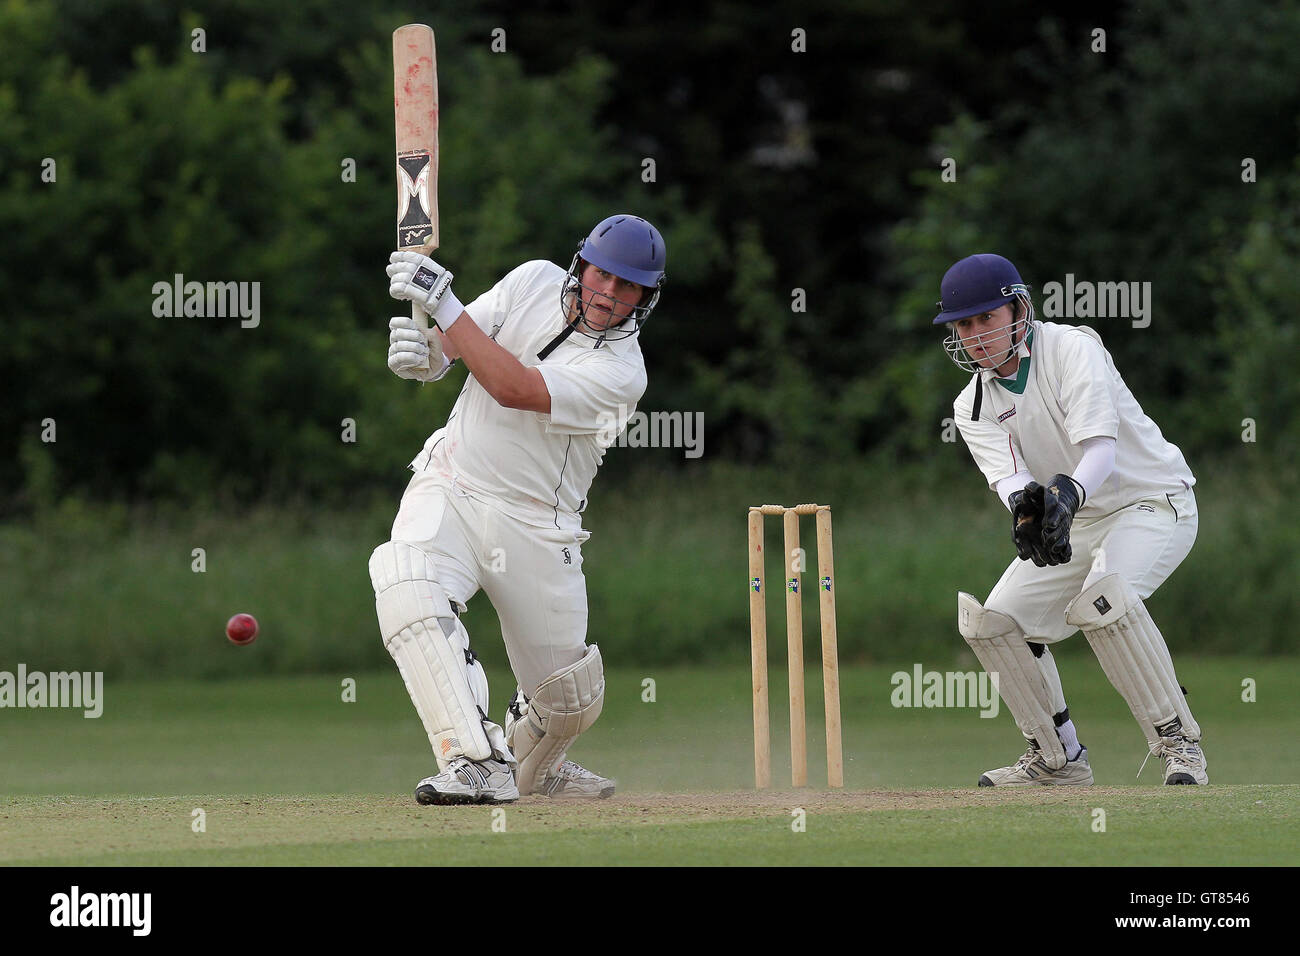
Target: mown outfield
(261,740)
(286,772)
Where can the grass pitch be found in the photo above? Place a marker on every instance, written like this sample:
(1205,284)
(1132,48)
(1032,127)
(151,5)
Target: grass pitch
(1219,826)
(284,771)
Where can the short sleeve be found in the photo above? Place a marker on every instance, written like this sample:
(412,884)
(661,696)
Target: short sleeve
(593,396)
(994,449)
(490,309)
(1087,388)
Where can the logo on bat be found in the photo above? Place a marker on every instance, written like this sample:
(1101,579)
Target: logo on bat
(414,224)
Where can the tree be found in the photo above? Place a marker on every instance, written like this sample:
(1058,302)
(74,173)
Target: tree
(1132,173)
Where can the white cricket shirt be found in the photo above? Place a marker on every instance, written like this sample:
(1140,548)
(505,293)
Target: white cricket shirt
(534,467)
(1067,390)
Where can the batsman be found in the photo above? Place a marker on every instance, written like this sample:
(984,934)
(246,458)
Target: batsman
(555,369)
(1102,512)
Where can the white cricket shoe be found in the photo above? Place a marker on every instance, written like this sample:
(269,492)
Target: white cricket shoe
(469,781)
(571,781)
(1032,771)
(1184,761)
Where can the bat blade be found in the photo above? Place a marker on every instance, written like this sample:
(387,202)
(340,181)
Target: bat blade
(415,115)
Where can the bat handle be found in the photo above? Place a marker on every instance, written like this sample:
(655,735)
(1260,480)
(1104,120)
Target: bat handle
(421,321)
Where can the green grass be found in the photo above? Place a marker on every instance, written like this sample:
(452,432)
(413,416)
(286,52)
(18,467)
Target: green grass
(1219,826)
(288,773)
(109,589)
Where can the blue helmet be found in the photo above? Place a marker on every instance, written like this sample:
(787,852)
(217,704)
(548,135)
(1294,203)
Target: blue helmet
(630,248)
(973,286)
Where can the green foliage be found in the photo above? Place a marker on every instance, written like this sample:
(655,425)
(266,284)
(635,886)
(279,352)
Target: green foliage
(764,381)
(200,165)
(1131,173)
(1256,288)
(775,171)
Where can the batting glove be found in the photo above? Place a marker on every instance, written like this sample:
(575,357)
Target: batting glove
(419,279)
(411,354)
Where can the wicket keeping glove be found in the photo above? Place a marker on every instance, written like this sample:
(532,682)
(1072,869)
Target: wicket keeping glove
(421,280)
(1061,499)
(412,354)
(1027,523)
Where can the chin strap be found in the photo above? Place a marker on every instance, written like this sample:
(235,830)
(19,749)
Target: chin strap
(564,333)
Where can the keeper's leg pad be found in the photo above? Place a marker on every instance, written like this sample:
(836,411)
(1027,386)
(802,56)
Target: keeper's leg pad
(565,705)
(1001,648)
(1051,679)
(430,647)
(1133,653)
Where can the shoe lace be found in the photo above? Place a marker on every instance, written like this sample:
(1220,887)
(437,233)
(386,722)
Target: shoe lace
(1171,749)
(1030,756)
(573,771)
(1183,750)
(1150,751)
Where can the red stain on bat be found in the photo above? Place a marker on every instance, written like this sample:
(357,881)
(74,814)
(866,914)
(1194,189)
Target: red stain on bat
(417,78)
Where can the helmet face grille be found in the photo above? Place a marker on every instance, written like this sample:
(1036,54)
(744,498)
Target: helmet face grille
(572,289)
(1005,341)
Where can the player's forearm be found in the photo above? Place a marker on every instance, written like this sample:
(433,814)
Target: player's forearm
(1015,482)
(505,378)
(1095,466)
(449,349)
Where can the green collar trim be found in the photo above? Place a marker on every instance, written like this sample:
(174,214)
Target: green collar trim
(1017,385)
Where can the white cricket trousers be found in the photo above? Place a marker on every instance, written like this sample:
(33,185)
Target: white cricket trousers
(533,576)
(1144,542)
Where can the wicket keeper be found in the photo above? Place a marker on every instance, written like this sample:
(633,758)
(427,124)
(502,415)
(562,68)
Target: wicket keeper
(1102,512)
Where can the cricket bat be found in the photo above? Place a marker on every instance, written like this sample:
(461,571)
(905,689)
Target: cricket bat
(415,114)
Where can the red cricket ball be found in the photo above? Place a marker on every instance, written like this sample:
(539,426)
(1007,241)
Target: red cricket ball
(241,629)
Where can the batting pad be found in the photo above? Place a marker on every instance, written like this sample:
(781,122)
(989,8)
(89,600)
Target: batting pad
(565,704)
(1133,653)
(424,638)
(478,686)
(1000,647)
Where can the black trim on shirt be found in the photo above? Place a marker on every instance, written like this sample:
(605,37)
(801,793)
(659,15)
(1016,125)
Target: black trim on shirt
(567,446)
